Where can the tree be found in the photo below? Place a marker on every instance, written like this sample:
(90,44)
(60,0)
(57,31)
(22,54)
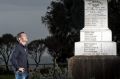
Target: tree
(54,47)
(64,20)
(7,42)
(36,49)
(114,24)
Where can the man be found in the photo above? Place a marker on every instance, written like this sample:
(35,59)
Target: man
(19,57)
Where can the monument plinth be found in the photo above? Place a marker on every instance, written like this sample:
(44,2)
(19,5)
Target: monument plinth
(95,37)
(94,67)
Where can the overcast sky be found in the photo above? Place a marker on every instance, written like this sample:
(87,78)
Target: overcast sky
(23,15)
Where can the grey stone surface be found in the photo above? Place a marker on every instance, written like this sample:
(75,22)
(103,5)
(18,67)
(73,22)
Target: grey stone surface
(96,14)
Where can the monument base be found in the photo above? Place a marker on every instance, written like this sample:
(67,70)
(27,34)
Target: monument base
(95,48)
(94,67)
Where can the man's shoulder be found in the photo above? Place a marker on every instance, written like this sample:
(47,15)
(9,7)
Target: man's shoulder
(17,46)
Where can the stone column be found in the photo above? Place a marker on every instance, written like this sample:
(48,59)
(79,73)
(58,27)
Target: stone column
(95,37)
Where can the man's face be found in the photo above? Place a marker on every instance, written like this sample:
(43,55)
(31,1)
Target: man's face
(23,38)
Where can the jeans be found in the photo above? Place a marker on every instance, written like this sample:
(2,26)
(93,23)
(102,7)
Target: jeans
(21,75)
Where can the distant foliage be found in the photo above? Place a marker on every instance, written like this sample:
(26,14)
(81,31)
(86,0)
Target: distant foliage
(7,43)
(36,49)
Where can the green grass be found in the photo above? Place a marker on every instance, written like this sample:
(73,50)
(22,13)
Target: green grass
(7,77)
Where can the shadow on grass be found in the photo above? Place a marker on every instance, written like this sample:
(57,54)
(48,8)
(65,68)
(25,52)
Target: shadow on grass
(7,75)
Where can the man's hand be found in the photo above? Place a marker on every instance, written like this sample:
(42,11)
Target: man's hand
(21,69)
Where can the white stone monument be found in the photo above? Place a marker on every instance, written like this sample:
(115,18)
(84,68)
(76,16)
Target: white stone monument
(95,37)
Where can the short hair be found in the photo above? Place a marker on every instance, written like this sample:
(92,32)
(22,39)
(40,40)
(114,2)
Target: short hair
(19,35)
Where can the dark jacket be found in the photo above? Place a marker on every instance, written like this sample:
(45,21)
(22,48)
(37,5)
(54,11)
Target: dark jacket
(19,57)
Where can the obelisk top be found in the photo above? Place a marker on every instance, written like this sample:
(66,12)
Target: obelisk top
(96,14)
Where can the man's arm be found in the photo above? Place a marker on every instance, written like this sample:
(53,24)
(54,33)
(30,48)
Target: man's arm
(14,58)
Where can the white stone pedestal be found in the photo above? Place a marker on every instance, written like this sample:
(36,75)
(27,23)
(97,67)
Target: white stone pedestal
(95,37)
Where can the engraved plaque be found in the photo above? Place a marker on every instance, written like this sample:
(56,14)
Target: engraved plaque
(96,13)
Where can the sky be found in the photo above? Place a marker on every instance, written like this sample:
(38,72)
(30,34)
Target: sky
(23,15)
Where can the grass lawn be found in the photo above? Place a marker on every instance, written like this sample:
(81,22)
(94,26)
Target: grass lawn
(7,77)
